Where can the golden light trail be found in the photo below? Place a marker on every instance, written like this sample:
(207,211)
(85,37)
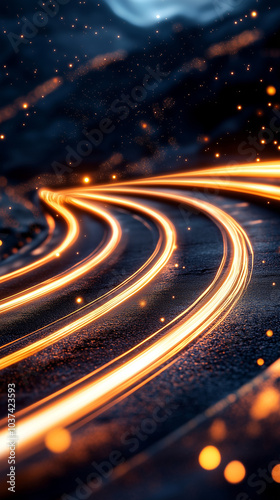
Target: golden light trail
(115,380)
(168,232)
(99,392)
(55,202)
(268,170)
(250,188)
(53,284)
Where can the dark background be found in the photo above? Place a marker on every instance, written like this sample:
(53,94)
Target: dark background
(189,118)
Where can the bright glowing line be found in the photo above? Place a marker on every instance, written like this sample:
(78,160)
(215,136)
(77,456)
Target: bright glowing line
(101,387)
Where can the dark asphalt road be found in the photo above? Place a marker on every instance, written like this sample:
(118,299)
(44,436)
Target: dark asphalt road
(218,364)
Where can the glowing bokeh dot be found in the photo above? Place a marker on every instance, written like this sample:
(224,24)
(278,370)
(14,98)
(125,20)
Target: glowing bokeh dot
(269,333)
(270,90)
(209,458)
(260,362)
(58,440)
(79,300)
(265,403)
(235,472)
(275,473)
(86,180)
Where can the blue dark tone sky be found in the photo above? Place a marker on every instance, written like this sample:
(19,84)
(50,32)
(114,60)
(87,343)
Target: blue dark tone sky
(183,120)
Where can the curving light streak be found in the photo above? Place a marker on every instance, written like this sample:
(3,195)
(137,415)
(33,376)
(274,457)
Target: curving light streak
(111,382)
(54,284)
(168,233)
(99,392)
(265,170)
(250,188)
(54,201)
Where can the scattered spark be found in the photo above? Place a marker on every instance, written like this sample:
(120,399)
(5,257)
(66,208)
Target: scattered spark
(75,406)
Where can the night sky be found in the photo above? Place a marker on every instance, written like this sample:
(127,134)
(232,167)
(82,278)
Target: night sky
(211,101)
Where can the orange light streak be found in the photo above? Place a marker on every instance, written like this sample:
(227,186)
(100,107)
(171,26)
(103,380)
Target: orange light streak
(54,284)
(103,386)
(55,202)
(99,392)
(169,234)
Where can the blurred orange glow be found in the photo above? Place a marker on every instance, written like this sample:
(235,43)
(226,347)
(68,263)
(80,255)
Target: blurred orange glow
(235,472)
(58,440)
(275,473)
(209,458)
(266,402)
(218,430)
(271,90)
(104,386)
